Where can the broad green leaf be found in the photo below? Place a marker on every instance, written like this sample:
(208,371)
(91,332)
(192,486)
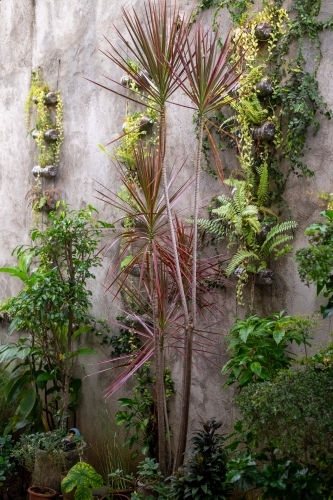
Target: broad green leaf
(256,368)
(84,478)
(278,335)
(82,329)
(126,261)
(27,402)
(44,377)
(244,333)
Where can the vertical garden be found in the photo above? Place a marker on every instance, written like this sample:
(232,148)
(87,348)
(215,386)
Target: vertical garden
(198,248)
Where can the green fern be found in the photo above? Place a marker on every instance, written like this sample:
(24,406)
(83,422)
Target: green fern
(213,226)
(241,259)
(251,109)
(276,238)
(263,187)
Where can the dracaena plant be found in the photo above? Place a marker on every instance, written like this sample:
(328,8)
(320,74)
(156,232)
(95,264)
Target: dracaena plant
(157,43)
(210,76)
(153,300)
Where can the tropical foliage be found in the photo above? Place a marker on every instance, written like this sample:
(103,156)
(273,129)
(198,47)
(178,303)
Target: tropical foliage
(53,307)
(315,262)
(260,347)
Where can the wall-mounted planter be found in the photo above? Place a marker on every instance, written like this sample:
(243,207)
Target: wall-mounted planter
(51,135)
(126,81)
(48,172)
(265,277)
(265,132)
(265,87)
(50,99)
(145,124)
(263,31)
(35,133)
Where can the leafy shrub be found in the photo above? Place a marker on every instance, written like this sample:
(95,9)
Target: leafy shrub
(203,476)
(260,347)
(294,413)
(6,462)
(315,262)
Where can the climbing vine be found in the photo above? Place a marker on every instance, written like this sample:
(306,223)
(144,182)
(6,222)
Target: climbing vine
(276,104)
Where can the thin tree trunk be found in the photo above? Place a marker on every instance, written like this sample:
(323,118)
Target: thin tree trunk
(159,368)
(162,141)
(187,370)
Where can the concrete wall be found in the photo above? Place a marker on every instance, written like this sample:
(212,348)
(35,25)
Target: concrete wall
(64,38)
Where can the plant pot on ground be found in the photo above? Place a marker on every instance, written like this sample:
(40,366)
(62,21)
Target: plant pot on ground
(38,492)
(149,476)
(43,454)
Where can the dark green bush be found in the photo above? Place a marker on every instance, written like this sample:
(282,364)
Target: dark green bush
(294,413)
(203,475)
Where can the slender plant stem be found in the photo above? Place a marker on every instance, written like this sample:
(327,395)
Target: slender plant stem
(187,372)
(162,141)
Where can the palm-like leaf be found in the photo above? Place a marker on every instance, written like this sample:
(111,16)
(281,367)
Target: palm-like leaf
(154,43)
(210,73)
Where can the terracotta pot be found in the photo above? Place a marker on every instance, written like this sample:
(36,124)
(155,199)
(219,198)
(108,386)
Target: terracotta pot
(36,493)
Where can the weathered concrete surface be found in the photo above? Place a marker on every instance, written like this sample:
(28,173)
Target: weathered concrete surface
(64,38)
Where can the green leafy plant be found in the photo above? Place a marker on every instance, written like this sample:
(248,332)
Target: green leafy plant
(260,347)
(53,307)
(148,471)
(238,218)
(293,413)
(7,464)
(84,478)
(139,418)
(280,478)
(203,475)
(315,262)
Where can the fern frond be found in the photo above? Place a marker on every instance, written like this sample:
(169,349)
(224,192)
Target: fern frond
(213,226)
(263,189)
(278,240)
(252,109)
(280,228)
(241,258)
(229,121)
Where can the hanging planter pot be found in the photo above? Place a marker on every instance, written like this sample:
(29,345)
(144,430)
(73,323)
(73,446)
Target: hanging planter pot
(263,31)
(146,124)
(265,87)
(47,172)
(37,493)
(35,134)
(265,277)
(265,132)
(126,81)
(51,99)
(51,135)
